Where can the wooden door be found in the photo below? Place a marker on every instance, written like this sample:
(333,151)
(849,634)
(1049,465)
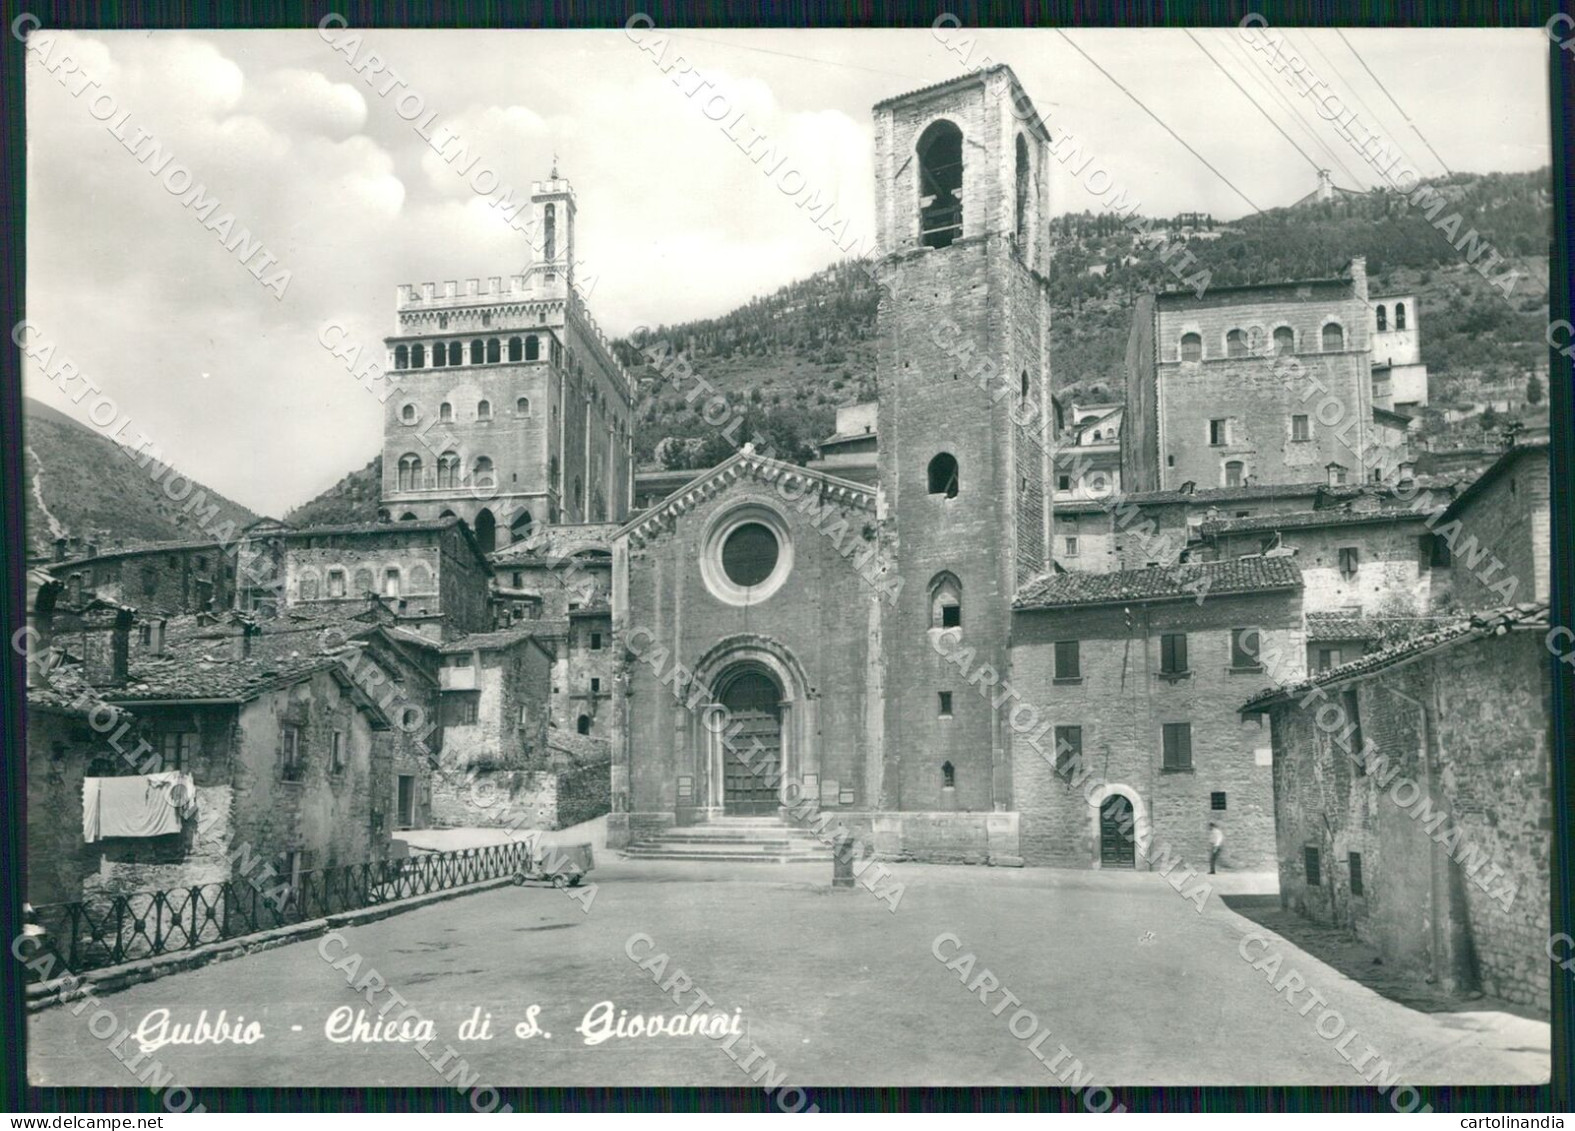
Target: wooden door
(1117,848)
(751,786)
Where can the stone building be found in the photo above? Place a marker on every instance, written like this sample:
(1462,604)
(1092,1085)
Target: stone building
(276,735)
(1399,377)
(511,408)
(432,573)
(804,604)
(1413,801)
(494,712)
(1137,675)
(167,577)
(1248,385)
(851,451)
(1497,532)
(1088,457)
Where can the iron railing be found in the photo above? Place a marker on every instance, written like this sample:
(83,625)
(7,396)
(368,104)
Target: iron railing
(94,933)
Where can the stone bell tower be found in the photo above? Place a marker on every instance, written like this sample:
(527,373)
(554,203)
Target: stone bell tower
(963,372)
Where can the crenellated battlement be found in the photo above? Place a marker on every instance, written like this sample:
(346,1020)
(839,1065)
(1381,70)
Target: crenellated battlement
(426,296)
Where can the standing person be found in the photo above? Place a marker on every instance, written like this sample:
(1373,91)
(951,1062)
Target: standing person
(1216,839)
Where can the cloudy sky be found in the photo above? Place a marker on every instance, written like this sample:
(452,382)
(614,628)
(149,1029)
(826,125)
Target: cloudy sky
(674,222)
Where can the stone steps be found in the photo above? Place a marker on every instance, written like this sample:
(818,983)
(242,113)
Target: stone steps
(740,840)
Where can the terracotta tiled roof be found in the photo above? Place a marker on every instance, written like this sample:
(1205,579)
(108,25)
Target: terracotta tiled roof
(1388,630)
(1224,494)
(1490,623)
(1161,583)
(1297,520)
(505,637)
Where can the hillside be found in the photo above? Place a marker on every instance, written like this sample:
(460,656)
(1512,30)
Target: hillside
(80,484)
(787,360)
(353,499)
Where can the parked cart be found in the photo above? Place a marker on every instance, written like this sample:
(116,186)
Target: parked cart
(561,865)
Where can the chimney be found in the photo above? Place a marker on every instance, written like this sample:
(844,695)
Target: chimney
(60,548)
(74,591)
(156,637)
(1188,487)
(106,646)
(90,549)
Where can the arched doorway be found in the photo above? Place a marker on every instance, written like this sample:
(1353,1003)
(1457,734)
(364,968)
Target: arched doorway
(1117,833)
(486,531)
(752,752)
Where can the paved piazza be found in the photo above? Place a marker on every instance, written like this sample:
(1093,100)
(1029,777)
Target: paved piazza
(833,986)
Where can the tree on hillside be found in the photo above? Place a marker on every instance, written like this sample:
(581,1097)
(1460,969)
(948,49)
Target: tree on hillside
(1533,389)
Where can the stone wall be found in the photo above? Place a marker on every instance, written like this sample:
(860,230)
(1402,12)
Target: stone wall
(172,580)
(1393,575)
(1121,703)
(526,799)
(1507,519)
(1489,773)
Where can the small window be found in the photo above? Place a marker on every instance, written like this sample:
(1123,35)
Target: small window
(940,152)
(1235,473)
(459,708)
(1333,338)
(596,685)
(1399,316)
(1244,648)
(1437,548)
(945,704)
(1328,658)
(1349,558)
(515,349)
(336,753)
(1177,739)
(391,582)
(336,583)
(175,750)
(1301,429)
(1284,341)
(1173,653)
(1219,433)
(1355,859)
(1353,728)
(456,354)
(1068,663)
(483,410)
(408,414)
(943,475)
(1068,749)
(292,755)
(1071,547)
(945,602)
(1063,483)
(445,412)
(1312,864)
(493,348)
(418,356)
(401,357)
(522,406)
(948,776)
(1191,347)
(478,352)
(1383,318)
(596,642)
(583,724)
(439,354)
(1235,344)
(1217,801)
(532,348)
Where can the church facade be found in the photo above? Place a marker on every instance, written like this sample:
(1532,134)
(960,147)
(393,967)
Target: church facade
(779,624)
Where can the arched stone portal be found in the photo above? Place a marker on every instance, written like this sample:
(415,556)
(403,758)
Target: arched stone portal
(759,693)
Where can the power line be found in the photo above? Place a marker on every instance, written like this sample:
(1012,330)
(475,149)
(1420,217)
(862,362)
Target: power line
(1391,98)
(1157,118)
(790,55)
(1291,109)
(1378,121)
(1316,167)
